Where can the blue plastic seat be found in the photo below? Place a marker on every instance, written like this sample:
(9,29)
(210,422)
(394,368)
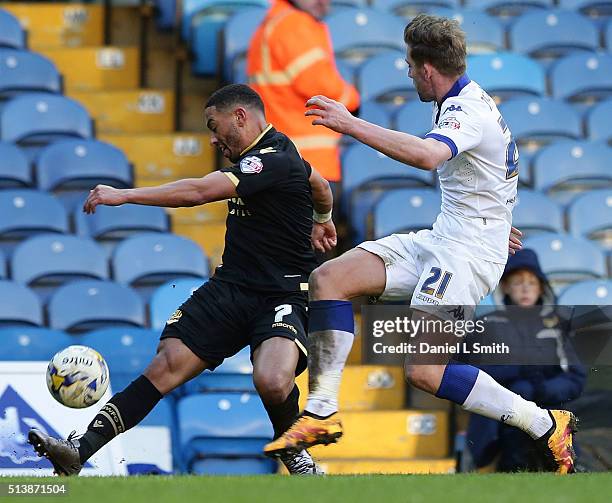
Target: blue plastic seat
(592,8)
(51,260)
(165,18)
(410,8)
(42,118)
(82,164)
(608,34)
(573,167)
(224,433)
(14,167)
(25,71)
(384,77)
(19,305)
(508,8)
(599,121)
(25,212)
(541,119)
(415,117)
(87,305)
(154,258)
(567,259)
(590,216)
(11,33)
(582,76)
(585,293)
(553,33)
(32,343)
(483,33)
(406,210)
(536,213)
(234,374)
(206,25)
(3,266)
(118,222)
(376,113)
(507,75)
(237,35)
(359,33)
(168,297)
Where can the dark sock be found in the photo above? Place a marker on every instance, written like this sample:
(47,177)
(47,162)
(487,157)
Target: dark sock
(123,411)
(283,415)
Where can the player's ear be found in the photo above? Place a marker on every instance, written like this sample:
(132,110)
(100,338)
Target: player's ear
(240,114)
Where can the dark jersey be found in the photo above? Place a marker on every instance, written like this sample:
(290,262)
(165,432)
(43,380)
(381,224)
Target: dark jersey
(267,241)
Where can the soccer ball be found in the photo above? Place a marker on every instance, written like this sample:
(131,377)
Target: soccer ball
(77,377)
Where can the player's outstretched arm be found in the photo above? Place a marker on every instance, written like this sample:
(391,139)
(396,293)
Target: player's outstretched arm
(188,192)
(323,230)
(425,154)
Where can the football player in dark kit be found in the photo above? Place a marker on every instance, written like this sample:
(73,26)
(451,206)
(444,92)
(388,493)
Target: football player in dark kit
(258,297)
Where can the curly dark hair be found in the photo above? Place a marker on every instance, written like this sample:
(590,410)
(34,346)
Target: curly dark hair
(235,94)
(438,41)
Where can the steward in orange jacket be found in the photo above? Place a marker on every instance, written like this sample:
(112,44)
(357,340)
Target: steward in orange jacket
(291,59)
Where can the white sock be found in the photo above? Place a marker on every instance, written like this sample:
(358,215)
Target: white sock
(328,351)
(490,399)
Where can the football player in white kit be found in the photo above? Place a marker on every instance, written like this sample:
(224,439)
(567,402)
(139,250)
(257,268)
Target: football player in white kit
(457,263)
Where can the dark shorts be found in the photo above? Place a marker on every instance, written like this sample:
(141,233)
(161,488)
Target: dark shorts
(220,318)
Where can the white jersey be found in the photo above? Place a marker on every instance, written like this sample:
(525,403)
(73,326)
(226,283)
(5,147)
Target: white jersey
(479,183)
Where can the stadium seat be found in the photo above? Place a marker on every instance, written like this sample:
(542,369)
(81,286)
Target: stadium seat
(60,24)
(236,37)
(408,9)
(14,167)
(569,167)
(234,374)
(96,68)
(599,121)
(483,33)
(3,266)
(590,216)
(25,212)
(224,433)
(162,158)
(112,223)
(585,293)
(206,23)
(553,33)
(376,113)
(168,297)
(25,71)
(166,14)
(405,210)
(541,120)
(384,77)
(31,343)
(592,8)
(19,305)
(365,175)
(359,33)
(127,351)
(536,213)
(415,117)
(86,305)
(566,259)
(45,262)
(11,33)
(154,258)
(508,8)
(136,111)
(41,118)
(608,35)
(82,164)
(506,75)
(582,76)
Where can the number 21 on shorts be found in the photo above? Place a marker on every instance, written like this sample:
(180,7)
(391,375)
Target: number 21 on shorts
(436,277)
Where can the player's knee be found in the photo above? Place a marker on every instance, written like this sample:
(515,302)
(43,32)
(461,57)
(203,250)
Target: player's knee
(273,386)
(323,283)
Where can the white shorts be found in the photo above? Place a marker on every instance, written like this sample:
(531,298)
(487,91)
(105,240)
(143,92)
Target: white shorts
(433,270)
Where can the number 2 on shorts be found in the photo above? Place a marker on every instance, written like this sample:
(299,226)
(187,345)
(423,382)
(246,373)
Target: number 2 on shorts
(281,311)
(429,285)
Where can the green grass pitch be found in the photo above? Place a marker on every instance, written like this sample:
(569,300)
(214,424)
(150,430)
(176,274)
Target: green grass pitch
(499,488)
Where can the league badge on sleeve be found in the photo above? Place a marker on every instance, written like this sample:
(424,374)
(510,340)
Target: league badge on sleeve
(251,164)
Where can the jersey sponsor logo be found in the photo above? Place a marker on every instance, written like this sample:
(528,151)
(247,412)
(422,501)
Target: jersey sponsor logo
(449,123)
(453,108)
(251,164)
(458,313)
(176,315)
(237,207)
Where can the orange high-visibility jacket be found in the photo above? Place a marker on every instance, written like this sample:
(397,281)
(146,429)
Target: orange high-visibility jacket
(291,59)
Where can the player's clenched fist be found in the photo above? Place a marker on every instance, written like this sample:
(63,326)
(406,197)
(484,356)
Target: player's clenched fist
(329,113)
(103,194)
